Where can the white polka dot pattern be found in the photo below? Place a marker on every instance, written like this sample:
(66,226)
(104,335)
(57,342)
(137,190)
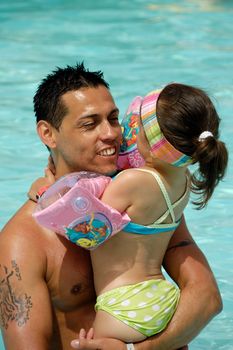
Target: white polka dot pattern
(146,306)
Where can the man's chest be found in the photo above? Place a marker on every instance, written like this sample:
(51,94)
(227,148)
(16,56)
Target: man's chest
(69,276)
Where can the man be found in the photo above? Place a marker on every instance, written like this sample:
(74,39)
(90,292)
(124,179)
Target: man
(47,292)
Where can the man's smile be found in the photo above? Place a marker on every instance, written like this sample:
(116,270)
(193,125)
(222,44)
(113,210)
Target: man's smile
(107,151)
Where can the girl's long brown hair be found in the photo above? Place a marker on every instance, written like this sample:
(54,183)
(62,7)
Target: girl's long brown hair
(184,112)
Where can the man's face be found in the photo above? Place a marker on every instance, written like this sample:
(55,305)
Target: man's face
(90,134)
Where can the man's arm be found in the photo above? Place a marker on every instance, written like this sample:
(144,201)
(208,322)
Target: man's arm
(25,311)
(200,298)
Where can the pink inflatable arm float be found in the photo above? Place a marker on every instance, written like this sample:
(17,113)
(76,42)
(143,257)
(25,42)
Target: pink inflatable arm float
(72,208)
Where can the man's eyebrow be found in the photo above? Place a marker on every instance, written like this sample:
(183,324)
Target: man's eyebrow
(95,115)
(88,116)
(115,110)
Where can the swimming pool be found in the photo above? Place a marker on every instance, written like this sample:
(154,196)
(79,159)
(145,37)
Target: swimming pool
(139,45)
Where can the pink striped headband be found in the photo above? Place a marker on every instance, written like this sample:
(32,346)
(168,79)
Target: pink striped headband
(160,147)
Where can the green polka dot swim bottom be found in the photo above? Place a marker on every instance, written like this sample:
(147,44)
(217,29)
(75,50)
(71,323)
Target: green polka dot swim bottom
(147,306)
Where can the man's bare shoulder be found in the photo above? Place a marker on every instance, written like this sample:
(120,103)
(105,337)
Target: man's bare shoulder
(22,237)
(23,225)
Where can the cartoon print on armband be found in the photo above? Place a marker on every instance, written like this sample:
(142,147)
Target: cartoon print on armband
(90,231)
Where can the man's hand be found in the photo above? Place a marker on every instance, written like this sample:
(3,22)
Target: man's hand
(86,342)
(98,344)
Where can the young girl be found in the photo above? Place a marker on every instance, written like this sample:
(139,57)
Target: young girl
(174,127)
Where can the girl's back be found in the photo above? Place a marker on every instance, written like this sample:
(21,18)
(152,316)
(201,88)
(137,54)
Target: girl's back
(128,257)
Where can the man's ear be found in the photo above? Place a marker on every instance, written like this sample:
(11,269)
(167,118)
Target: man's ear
(46,133)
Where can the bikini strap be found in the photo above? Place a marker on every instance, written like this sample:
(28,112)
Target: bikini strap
(165,195)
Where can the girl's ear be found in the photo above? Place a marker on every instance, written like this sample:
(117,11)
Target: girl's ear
(46,133)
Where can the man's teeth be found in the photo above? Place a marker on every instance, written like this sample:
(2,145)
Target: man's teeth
(108,152)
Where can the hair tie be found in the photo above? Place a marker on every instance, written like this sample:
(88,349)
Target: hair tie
(204,135)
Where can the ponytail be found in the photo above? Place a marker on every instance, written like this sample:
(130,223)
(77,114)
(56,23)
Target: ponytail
(189,121)
(212,156)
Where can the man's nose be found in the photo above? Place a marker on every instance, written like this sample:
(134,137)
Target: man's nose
(108,131)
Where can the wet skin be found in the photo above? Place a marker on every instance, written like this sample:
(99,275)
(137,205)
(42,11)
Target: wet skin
(56,281)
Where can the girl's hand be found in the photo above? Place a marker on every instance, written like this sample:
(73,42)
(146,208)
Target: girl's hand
(40,185)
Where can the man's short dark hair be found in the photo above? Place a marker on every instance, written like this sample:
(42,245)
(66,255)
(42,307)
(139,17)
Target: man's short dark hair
(47,100)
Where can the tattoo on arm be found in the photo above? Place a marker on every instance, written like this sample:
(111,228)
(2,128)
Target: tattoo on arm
(14,306)
(181,244)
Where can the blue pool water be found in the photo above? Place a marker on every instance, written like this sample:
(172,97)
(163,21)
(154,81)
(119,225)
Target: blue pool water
(139,45)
